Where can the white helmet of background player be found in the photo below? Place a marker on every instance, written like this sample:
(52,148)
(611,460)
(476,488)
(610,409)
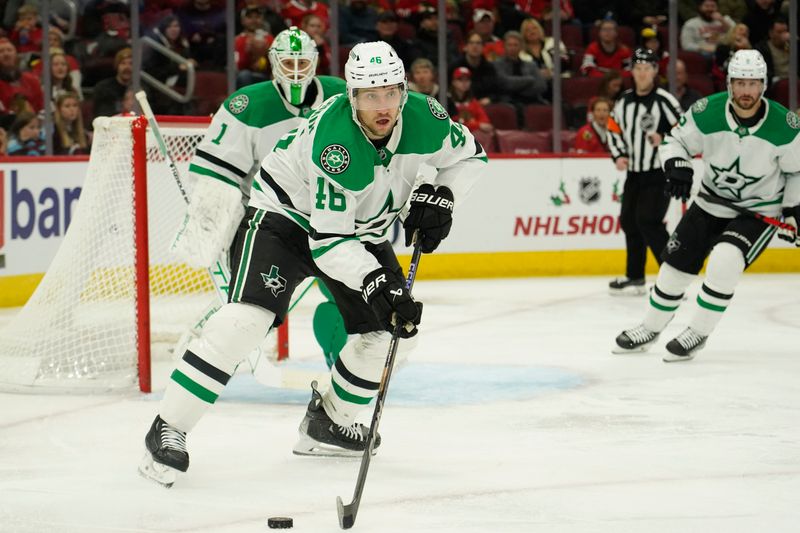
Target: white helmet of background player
(747,64)
(293,56)
(371,65)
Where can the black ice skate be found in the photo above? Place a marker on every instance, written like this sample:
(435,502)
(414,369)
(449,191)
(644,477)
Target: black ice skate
(166,453)
(627,287)
(683,347)
(636,339)
(319,435)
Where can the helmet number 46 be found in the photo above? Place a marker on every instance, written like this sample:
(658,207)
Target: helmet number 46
(375,59)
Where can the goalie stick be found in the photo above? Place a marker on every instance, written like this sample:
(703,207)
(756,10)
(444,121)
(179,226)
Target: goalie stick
(347,513)
(744,211)
(217,272)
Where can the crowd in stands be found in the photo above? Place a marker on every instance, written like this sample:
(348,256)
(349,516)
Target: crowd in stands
(501,58)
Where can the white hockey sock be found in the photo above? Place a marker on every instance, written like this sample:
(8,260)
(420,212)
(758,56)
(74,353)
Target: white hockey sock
(725,267)
(355,377)
(210,360)
(666,296)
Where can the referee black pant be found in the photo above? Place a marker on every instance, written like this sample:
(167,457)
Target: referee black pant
(644,206)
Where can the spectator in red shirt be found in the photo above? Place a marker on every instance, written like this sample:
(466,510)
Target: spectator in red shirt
(591,138)
(651,40)
(606,53)
(541,9)
(464,108)
(14,81)
(314,26)
(251,47)
(27,33)
(61,79)
(484,26)
(294,11)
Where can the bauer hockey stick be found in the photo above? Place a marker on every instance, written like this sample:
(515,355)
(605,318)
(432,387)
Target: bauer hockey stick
(347,513)
(744,211)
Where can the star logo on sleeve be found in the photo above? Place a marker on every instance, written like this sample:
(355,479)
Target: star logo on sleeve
(732,179)
(274,281)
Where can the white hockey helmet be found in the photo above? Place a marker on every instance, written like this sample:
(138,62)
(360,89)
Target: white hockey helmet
(747,64)
(293,56)
(374,64)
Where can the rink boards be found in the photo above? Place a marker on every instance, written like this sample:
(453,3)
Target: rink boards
(529,215)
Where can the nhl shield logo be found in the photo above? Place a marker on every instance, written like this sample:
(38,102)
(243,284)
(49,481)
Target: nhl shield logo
(647,122)
(335,159)
(238,104)
(589,190)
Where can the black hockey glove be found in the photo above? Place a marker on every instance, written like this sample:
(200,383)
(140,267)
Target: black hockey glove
(679,178)
(791,215)
(386,293)
(431,214)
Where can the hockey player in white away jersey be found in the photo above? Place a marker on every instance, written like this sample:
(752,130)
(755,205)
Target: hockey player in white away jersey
(751,158)
(322,205)
(243,131)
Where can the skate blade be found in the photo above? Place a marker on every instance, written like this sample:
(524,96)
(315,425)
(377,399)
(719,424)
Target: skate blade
(619,350)
(628,291)
(161,474)
(672,358)
(308,447)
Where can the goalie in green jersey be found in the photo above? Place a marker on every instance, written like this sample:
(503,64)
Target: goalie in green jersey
(323,204)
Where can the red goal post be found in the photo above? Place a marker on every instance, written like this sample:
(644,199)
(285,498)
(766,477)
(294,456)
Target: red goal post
(114,298)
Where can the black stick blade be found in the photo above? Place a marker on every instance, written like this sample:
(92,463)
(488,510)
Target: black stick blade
(347,513)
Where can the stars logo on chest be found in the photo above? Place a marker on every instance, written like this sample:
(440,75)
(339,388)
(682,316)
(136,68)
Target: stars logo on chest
(731,179)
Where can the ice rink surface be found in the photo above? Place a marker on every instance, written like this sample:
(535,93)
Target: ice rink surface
(512,415)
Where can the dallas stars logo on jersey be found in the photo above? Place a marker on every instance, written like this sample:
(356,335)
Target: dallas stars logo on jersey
(335,158)
(274,281)
(732,179)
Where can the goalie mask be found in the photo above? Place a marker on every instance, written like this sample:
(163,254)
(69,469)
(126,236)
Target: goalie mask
(747,64)
(293,56)
(375,65)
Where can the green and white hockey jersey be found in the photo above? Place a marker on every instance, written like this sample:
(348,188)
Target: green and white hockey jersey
(757,168)
(332,181)
(247,126)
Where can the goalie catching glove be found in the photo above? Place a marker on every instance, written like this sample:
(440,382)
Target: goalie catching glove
(214,214)
(386,293)
(431,214)
(679,174)
(791,215)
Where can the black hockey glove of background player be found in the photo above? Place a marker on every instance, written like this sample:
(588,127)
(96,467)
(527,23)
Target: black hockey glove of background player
(679,178)
(791,215)
(386,293)
(431,213)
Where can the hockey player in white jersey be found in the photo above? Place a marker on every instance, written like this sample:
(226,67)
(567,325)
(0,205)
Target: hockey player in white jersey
(243,131)
(322,205)
(751,158)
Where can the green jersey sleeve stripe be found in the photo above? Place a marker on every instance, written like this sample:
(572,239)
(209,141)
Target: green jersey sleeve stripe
(210,173)
(214,160)
(319,252)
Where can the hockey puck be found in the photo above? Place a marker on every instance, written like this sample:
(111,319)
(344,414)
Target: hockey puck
(280,522)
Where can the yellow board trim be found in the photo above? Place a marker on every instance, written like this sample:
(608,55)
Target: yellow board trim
(15,290)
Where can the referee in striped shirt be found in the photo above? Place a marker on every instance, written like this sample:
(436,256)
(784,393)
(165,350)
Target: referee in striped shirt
(644,114)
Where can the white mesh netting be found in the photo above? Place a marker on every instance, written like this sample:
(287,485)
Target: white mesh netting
(78,330)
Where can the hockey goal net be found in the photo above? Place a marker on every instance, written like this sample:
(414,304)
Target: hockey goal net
(113,298)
